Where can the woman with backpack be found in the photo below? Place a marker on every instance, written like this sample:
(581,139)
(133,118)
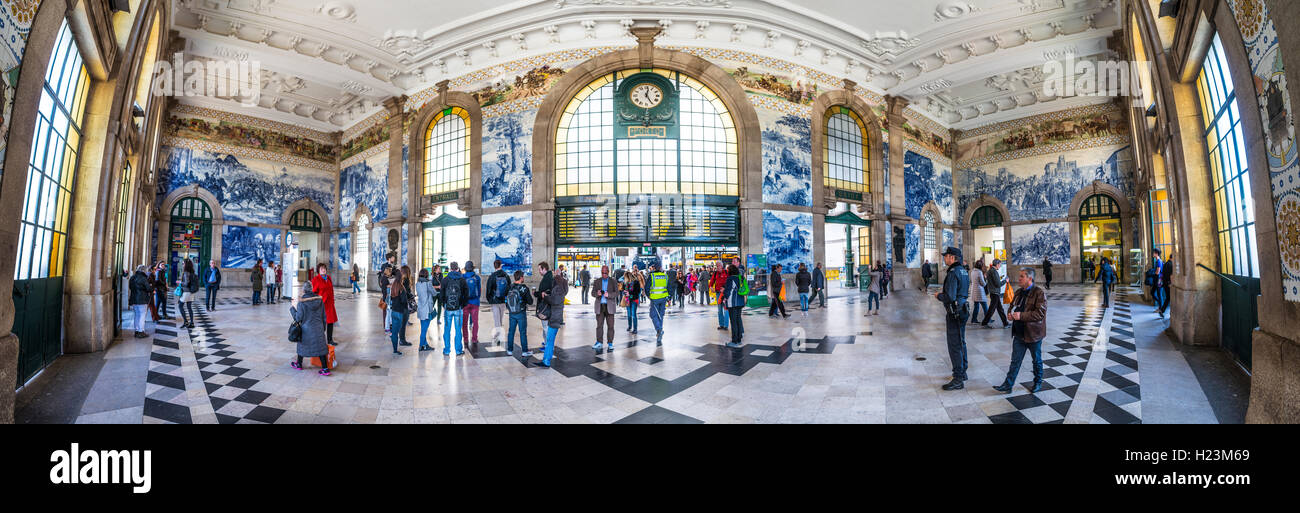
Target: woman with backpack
(555,317)
(399,300)
(355,278)
(189,284)
(309,313)
(424,307)
(141,291)
(632,291)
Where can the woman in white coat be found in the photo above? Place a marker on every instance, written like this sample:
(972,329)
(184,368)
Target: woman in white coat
(977,295)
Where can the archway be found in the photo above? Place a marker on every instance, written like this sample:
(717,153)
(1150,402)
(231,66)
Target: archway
(1101,233)
(988,234)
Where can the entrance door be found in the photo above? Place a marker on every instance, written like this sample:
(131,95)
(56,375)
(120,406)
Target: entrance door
(1101,233)
(44,225)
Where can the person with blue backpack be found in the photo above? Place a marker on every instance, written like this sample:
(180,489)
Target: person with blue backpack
(473,290)
(452,298)
(516,303)
(1107,277)
(498,286)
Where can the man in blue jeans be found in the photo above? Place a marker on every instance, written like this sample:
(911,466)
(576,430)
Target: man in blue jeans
(516,303)
(453,298)
(212,281)
(1029,326)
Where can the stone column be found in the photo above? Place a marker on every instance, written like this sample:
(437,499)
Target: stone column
(1194,292)
(394,220)
(88,316)
(903,278)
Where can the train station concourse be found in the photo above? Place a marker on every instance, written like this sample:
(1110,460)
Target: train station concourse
(649,211)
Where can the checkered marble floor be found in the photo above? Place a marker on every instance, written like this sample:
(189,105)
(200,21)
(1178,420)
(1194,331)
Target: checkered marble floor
(828,365)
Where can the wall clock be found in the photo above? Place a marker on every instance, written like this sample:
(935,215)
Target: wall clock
(645,105)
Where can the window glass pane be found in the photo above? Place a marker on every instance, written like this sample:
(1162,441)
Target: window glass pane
(1234,206)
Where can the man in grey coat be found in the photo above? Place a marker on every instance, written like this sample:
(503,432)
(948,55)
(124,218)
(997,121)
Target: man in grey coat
(310,313)
(606,294)
(819,284)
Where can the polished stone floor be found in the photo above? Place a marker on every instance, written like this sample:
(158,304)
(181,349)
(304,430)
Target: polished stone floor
(830,365)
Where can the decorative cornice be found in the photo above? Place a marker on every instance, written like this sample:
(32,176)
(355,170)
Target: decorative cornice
(777,104)
(378,149)
(1076,144)
(239,151)
(182,110)
(374,119)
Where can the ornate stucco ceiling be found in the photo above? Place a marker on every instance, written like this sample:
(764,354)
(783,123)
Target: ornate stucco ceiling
(328,64)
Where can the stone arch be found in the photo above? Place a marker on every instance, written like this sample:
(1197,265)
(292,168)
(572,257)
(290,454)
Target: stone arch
(420,120)
(194,191)
(875,147)
(983,200)
(744,116)
(308,204)
(1100,187)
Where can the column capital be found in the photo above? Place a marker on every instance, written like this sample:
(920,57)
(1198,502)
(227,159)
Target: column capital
(395,104)
(645,43)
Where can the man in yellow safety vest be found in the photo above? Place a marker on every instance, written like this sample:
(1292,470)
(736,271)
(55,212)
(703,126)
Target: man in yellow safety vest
(658,300)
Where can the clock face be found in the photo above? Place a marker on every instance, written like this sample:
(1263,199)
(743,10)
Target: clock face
(646,96)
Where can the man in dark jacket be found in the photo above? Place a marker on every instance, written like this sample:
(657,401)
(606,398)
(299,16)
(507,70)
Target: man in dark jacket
(453,295)
(498,286)
(672,284)
(141,288)
(993,285)
(607,297)
(956,289)
(544,288)
(1166,274)
(1047,274)
(926,274)
(1107,277)
(774,289)
(1029,313)
(212,281)
(819,284)
(584,279)
(161,289)
(803,284)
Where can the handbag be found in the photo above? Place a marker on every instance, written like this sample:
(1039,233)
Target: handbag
(179,292)
(1008,295)
(382,304)
(544,311)
(295,332)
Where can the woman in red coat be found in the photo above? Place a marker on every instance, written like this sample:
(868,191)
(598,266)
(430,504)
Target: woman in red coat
(322,285)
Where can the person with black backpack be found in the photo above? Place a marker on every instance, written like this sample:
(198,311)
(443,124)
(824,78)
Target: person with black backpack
(498,286)
(1107,277)
(516,303)
(473,290)
(453,297)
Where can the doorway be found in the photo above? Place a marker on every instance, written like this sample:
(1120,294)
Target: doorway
(302,249)
(1101,234)
(446,239)
(621,258)
(190,235)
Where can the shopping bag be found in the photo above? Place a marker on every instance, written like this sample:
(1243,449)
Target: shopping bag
(1008,295)
(316,361)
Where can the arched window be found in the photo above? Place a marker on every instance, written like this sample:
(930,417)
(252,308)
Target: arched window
(701,160)
(1233,202)
(986,216)
(929,229)
(362,255)
(845,154)
(446,151)
(191,208)
(305,220)
(53,163)
(123,205)
(1099,205)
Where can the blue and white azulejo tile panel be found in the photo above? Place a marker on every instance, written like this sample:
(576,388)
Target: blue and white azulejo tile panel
(788,238)
(508,159)
(508,237)
(787,158)
(249,190)
(1031,243)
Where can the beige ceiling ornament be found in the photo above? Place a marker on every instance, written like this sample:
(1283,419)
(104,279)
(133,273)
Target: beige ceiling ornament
(890,44)
(953,9)
(700,28)
(339,11)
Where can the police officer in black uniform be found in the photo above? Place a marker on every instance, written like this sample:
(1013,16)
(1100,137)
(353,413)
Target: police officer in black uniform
(956,289)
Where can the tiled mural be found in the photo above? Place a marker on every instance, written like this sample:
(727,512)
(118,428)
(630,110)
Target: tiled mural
(364,183)
(371,137)
(532,83)
(1054,128)
(508,159)
(1043,187)
(1259,34)
(912,254)
(242,246)
(788,238)
(787,158)
(15,25)
(924,182)
(211,129)
(508,237)
(343,250)
(249,190)
(1031,243)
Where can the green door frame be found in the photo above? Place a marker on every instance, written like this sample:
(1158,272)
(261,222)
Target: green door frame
(849,220)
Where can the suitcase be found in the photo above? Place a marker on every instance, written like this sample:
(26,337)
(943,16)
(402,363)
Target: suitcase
(316,360)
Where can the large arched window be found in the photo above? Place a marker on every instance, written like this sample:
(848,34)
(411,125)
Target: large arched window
(446,152)
(1234,205)
(361,256)
(53,163)
(701,160)
(929,232)
(845,153)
